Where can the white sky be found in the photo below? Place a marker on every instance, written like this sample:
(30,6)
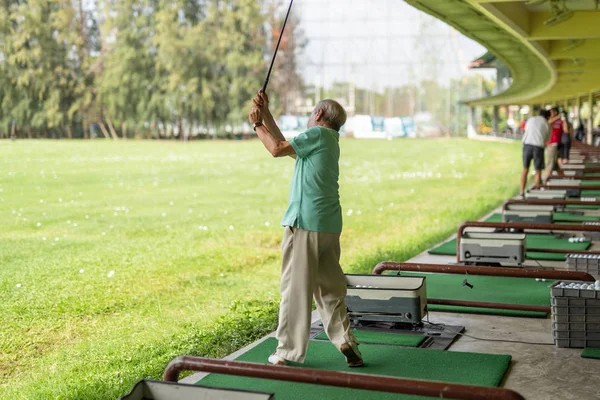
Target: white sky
(378,43)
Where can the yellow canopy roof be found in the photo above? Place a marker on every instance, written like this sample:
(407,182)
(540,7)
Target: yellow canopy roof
(552,47)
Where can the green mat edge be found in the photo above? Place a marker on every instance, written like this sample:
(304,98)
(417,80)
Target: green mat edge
(486,311)
(591,352)
(508,358)
(558,216)
(323,337)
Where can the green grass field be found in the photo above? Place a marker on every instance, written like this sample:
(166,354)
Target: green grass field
(115,257)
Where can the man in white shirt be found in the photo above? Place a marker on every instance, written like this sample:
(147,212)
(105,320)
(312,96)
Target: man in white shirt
(537,133)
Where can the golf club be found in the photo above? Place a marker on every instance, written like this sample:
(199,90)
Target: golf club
(264,88)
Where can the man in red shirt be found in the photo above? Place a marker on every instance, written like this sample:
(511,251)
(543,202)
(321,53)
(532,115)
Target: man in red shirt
(552,146)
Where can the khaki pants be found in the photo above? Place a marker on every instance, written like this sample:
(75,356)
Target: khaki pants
(311,268)
(552,151)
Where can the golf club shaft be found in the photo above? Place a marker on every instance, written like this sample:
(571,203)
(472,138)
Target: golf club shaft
(264,88)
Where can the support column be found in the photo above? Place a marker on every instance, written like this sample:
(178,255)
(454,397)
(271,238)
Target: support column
(578,111)
(590,124)
(495,119)
(471,128)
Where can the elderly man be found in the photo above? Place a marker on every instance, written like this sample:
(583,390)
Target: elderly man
(311,239)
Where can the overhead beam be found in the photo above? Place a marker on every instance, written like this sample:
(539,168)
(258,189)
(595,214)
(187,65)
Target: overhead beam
(582,25)
(561,91)
(586,49)
(500,1)
(592,66)
(593,4)
(544,44)
(552,44)
(493,1)
(515,15)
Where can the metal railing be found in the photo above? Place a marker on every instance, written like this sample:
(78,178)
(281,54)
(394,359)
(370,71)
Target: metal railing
(339,379)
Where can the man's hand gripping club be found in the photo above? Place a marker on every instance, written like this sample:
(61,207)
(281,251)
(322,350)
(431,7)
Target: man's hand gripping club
(269,133)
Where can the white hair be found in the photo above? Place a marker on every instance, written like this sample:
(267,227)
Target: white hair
(334,114)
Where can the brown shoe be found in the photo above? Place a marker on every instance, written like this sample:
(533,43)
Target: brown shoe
(353,356)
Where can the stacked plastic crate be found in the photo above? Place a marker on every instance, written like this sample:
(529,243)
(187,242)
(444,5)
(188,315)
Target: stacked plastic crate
(589,263)
(592,235)
(576,314)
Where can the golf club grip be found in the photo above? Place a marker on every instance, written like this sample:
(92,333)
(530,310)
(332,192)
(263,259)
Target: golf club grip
(264,88)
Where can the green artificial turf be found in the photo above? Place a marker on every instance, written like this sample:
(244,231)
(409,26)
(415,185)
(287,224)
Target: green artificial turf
(534,241)
(561,216)
(495,217)
(582,207)
(493,289)
(444,366)
(558,216)
(394,339)
(191,230)
(445,249)
(486,311)
(590,193)
(591,352)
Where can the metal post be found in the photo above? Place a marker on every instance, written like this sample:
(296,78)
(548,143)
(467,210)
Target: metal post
(352,101)
(483,271)
(471,128)
(495,119)
(590,124)
(578,110)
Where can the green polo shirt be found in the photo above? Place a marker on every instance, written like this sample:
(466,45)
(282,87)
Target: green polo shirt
(314,203)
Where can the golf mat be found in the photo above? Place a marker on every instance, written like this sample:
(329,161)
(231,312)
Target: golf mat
(496,217)
(582,207)
(591,352)
(562,216)
(370,337)
(558,216)
(445,366)
(533,241)
(590,193)
(486,311)
(491,289)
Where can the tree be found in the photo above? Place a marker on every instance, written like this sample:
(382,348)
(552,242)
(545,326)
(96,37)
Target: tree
(234,49)
(285,79)
(153,66)
(42,75)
